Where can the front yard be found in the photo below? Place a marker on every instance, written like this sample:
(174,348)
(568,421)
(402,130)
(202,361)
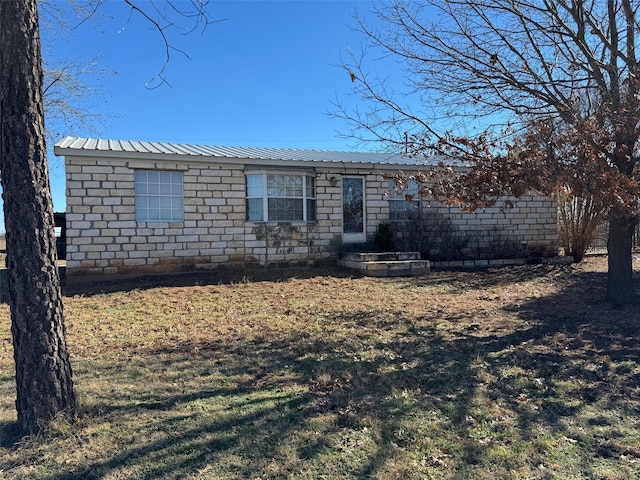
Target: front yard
(521,372)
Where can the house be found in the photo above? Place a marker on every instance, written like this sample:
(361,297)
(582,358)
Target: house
(136,207)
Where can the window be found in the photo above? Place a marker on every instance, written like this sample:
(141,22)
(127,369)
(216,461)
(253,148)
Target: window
(400,208)
(159,196)
(281,197)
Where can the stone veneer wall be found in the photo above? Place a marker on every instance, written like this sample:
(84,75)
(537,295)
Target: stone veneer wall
(532,224)
(103,236)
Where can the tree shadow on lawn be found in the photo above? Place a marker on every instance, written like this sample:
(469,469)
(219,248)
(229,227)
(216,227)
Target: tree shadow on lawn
(481,278)
(576,357)
(9,434)
(175,434)
(359,401)
(224,275)
(194,449)
(579,356)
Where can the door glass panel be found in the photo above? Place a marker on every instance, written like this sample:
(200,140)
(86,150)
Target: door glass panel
(353,205)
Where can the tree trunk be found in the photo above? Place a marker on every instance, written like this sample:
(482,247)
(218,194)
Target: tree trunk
(43,372)
(620,287)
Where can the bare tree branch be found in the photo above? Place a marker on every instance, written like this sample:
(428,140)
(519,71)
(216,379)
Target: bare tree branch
(160,15)
(512,58)
(70,91)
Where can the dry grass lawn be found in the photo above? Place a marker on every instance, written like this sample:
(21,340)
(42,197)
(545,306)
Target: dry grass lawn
(522,372)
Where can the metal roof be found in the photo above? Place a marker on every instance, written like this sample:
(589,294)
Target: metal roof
(69,146)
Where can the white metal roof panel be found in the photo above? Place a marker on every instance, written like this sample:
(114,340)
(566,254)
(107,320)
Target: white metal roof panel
(80,146)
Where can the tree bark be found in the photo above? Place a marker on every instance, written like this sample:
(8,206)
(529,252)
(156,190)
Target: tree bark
(43,372)
(620,286)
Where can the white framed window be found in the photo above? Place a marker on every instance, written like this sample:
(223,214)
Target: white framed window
(403,203)
(159,196)
(281,197)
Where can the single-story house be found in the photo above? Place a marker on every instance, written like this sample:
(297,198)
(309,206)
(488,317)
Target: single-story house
(136,207)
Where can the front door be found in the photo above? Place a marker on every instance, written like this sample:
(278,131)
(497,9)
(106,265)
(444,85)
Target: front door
(353,210)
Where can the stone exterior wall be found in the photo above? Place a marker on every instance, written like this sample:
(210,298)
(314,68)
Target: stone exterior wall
(103,236)
(529,228)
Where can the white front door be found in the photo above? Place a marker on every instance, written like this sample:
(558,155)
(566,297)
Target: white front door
(353,210)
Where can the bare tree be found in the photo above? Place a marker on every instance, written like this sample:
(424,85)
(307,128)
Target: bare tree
(43,370)
(73,86)
(505,63)
(68,91)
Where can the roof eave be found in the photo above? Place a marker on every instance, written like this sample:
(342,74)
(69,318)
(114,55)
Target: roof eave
(173,157)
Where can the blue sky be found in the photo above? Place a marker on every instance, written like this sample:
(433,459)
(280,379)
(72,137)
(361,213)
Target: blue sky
(265,76)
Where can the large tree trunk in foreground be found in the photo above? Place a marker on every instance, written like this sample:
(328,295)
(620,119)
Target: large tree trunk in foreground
(43,372)
(620,287)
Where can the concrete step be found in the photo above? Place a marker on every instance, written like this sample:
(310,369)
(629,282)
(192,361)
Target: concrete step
(396,268)
(379,256)
(392,264)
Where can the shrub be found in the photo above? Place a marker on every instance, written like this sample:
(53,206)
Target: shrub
(384,237)
(437,238)
(432,234)
(579,216)
(494,243)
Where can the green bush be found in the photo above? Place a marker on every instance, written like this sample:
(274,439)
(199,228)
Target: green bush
(384,237)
